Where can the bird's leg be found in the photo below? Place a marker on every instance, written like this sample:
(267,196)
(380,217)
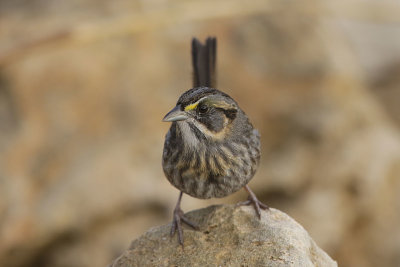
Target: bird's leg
(252,200)
(178,217)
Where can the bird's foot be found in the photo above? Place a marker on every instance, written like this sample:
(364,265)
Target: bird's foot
(179,217)
(177,220)
(253,200)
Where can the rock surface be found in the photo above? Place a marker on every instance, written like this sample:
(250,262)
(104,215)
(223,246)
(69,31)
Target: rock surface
(229,236)
(84,85)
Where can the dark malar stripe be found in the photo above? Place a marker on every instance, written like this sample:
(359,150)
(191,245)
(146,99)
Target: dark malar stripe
(199,135)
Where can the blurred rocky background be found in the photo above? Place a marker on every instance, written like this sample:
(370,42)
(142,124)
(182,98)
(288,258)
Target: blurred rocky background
(84,85)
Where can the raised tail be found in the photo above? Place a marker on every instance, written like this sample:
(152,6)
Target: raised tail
(204,57)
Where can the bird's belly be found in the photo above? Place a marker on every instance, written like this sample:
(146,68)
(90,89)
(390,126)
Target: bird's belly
(208,182)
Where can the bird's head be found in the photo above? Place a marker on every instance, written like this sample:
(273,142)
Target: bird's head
(208,110)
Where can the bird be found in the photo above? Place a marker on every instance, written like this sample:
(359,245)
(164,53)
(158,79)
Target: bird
(211,149)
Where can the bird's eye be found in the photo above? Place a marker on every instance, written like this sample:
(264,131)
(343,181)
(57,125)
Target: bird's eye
(203,109)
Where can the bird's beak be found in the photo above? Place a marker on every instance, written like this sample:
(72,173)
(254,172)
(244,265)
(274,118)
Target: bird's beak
(176,114)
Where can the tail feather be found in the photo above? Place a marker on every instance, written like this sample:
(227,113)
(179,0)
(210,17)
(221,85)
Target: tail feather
(204,57)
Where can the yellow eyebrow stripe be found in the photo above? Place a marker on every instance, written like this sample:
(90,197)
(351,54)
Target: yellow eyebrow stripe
(194,105)
(191,106)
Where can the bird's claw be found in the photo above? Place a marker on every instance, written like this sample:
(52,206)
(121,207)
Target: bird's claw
(178,218)
(252,200)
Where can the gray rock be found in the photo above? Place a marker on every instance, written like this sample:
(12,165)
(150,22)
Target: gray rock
(229,236)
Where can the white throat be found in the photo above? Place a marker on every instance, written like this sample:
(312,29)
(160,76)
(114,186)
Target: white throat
(187,134)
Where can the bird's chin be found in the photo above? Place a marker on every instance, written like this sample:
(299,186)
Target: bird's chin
(188,135)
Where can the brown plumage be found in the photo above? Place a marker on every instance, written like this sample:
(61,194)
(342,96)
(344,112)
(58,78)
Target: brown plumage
(211,149)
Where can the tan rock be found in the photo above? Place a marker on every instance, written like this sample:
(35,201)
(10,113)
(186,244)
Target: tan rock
(229,236)
(82,96)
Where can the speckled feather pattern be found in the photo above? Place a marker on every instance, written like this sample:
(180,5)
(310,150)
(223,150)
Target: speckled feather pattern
(203,166)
